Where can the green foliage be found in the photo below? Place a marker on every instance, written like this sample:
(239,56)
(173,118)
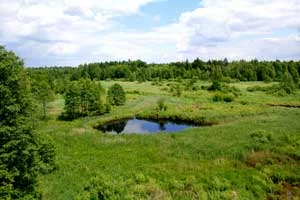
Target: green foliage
(43,93)
(176,89)
(216,85)
(132,77)
(223,97)
(227,79)
(231,89)
(161,104)
(256,88)
(288,84)
(217,72)
(286,87)
(83,98)
(23,154)
(72,101)
(101,188)
(116,95)
(90,94)
(211,70)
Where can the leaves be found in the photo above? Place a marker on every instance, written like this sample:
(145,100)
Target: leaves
(83,98)
(116,95)
(20,159)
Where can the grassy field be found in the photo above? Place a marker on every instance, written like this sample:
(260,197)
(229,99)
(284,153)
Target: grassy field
(251,152)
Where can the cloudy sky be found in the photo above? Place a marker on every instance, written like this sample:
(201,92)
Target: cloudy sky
(70,32)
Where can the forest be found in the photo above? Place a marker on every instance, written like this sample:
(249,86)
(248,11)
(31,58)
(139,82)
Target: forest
(222,70)
(244,142)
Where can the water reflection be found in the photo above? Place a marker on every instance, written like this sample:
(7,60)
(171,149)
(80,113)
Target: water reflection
(117,127)
(142,126)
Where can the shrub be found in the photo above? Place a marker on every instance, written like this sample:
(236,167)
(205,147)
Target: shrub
(227,79)
(216,85)
(281,89)
(100,187)
(231,89)
(228,98)
(255,88)
(218,97)
(176,90)
(223,97)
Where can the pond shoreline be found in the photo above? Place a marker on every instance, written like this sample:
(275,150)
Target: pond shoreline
(121,122)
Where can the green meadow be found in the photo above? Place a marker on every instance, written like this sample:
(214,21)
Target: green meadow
(245,148)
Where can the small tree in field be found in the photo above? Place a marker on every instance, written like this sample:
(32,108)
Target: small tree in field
(83,98)
(72,101)
(116,95)
(44,94)
(287,83)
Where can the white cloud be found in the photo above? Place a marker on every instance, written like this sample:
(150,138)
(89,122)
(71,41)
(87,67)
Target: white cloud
(223,28)
(63,48)
(75,31)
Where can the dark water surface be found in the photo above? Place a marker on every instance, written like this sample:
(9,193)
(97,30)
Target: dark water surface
(139,126)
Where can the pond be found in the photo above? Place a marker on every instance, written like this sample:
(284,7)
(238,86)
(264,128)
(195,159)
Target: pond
(139,126)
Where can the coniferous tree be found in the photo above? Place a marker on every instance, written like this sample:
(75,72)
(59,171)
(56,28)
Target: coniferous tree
(95,105)
(44,94)
(83,98)
(287,82)
(116,95)
(23,155)
(72,101)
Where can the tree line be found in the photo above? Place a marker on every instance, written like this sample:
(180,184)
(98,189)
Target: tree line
(222,70)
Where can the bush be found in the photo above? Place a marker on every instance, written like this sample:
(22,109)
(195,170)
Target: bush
(100,187)
(276,89)
(223,97)
(176,90)
(227,79)
(228,98)
(216,85)
(231,89)
(255,88)
(218,97)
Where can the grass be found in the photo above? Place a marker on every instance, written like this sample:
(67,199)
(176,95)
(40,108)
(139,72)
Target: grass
(253,152)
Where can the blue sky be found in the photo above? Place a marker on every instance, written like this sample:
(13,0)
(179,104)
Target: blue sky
(70,32)
(158,13)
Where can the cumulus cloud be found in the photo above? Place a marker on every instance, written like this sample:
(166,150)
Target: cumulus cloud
(240,29)
(70,32)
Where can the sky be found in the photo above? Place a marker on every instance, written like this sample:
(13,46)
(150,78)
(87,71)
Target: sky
(72,32)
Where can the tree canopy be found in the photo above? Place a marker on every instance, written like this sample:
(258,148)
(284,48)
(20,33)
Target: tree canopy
(241,70)
(116,95)
(83,98)
(23,154)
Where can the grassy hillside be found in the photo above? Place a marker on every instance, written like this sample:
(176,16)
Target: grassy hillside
(251,152)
